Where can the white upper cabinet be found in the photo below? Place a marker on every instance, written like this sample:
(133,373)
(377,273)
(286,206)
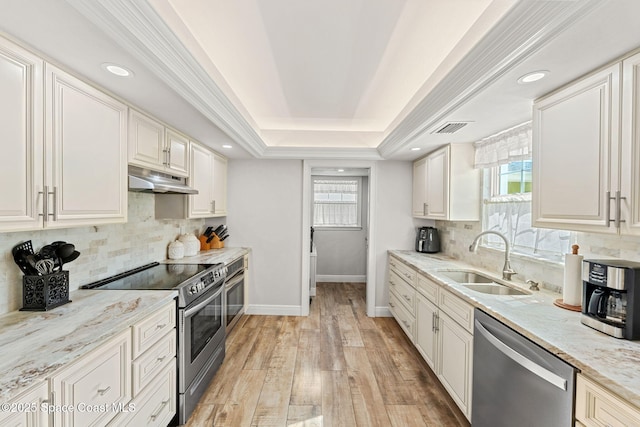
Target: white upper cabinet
(85,156)
(630,146)
(66,167)
(420,188)
(208,175)
(21,134)
(575,155)
(153,146)
(446,186)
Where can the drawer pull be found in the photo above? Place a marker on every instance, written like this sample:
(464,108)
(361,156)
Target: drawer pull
(392,282)
(406,297)
(159,411)
(161,326)
(406,323)
(160,359)
(391,305)
(104,391)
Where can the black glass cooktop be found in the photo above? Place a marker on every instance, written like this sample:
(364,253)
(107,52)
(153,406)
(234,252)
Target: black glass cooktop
(151,277)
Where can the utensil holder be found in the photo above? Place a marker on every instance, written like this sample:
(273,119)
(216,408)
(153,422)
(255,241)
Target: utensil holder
(42,293)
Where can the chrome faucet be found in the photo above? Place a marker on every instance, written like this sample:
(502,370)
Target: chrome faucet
(507,271)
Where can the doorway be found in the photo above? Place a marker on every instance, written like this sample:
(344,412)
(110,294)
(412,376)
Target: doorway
(352,256)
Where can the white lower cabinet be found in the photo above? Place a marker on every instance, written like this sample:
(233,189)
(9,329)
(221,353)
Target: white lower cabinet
(130,380)
(455,353)
(94,385)
(440,325)
(426,336)
(25,410)
(596,406)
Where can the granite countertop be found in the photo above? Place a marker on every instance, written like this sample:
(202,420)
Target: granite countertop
(35,344)
(612,362)
(212,256)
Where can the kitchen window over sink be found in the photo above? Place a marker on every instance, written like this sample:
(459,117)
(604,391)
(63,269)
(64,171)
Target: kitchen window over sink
(337,202)
(506,160)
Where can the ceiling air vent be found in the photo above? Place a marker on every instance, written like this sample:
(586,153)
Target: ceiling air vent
(451,127)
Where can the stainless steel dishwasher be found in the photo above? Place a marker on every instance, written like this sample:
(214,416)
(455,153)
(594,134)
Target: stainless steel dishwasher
(515,381)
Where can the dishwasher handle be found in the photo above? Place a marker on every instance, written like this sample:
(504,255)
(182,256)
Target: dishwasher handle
(521,360)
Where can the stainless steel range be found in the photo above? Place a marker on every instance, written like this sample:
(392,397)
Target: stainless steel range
(201,317)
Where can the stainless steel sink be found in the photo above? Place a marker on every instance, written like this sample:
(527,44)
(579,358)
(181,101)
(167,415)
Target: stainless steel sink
(494,289)
(467,277)
(480,283)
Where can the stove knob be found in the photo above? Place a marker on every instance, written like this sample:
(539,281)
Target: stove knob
(193,289)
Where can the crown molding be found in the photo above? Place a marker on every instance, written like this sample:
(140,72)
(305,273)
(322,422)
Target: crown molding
(526,28)
(323,153)
(137,27)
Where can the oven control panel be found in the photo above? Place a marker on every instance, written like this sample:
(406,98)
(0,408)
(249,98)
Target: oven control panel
(206,281)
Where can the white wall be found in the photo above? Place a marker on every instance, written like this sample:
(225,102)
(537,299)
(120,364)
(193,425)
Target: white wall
(265,214)
(395,228)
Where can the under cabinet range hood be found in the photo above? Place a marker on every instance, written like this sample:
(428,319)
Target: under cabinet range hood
(147,181)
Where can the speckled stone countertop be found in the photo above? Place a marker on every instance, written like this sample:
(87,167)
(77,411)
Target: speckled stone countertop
(211,256)
(612,362)
(35,344)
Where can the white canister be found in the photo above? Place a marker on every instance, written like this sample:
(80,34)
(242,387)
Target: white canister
(191,244)
(176,250)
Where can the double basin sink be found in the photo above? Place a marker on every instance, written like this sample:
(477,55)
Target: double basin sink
(478,282)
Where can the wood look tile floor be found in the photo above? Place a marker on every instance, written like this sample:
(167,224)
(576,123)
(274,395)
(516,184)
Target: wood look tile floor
(336,367)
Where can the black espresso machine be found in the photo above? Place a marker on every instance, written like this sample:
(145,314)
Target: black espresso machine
(611,297)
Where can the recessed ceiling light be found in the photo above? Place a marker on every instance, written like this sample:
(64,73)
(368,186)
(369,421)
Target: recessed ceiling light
(415,149)
(533,76)
(227,146)
(117,70)
(340,170)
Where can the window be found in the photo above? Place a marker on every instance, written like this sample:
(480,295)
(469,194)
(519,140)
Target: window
(337,201)
(507,209)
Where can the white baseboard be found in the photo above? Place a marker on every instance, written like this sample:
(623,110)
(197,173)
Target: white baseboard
(347,278)
(274,310)
(383,312)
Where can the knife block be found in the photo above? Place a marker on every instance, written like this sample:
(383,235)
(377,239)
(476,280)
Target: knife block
(216,243)
(204,246)
(42,293)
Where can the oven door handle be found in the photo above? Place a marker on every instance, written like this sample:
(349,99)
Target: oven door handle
(188,312)
(237,278)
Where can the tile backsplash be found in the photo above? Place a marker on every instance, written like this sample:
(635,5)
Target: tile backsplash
(457,236)
(105,249)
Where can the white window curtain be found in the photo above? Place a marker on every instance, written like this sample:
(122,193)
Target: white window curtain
(504,147)
(336,202)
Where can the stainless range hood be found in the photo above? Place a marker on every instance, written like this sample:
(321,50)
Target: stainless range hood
(147,181)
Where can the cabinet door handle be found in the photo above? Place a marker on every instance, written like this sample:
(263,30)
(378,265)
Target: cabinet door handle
(166,157)
(55,204)
(618,201)
(436,328)
(161,326)
(159,411)
(213,206)
(160,359)
(169,157)
(45,203)
(104,391)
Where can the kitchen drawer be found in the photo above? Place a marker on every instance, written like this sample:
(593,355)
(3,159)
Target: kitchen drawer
(147,366)
(404,318)
(428,288)
(460,311)
(101,378)
(406,294)
(405,272)
(156,406)
(596,406)
(152,329)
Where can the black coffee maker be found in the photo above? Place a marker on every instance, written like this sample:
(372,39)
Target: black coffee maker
(428,240)
(611,297)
